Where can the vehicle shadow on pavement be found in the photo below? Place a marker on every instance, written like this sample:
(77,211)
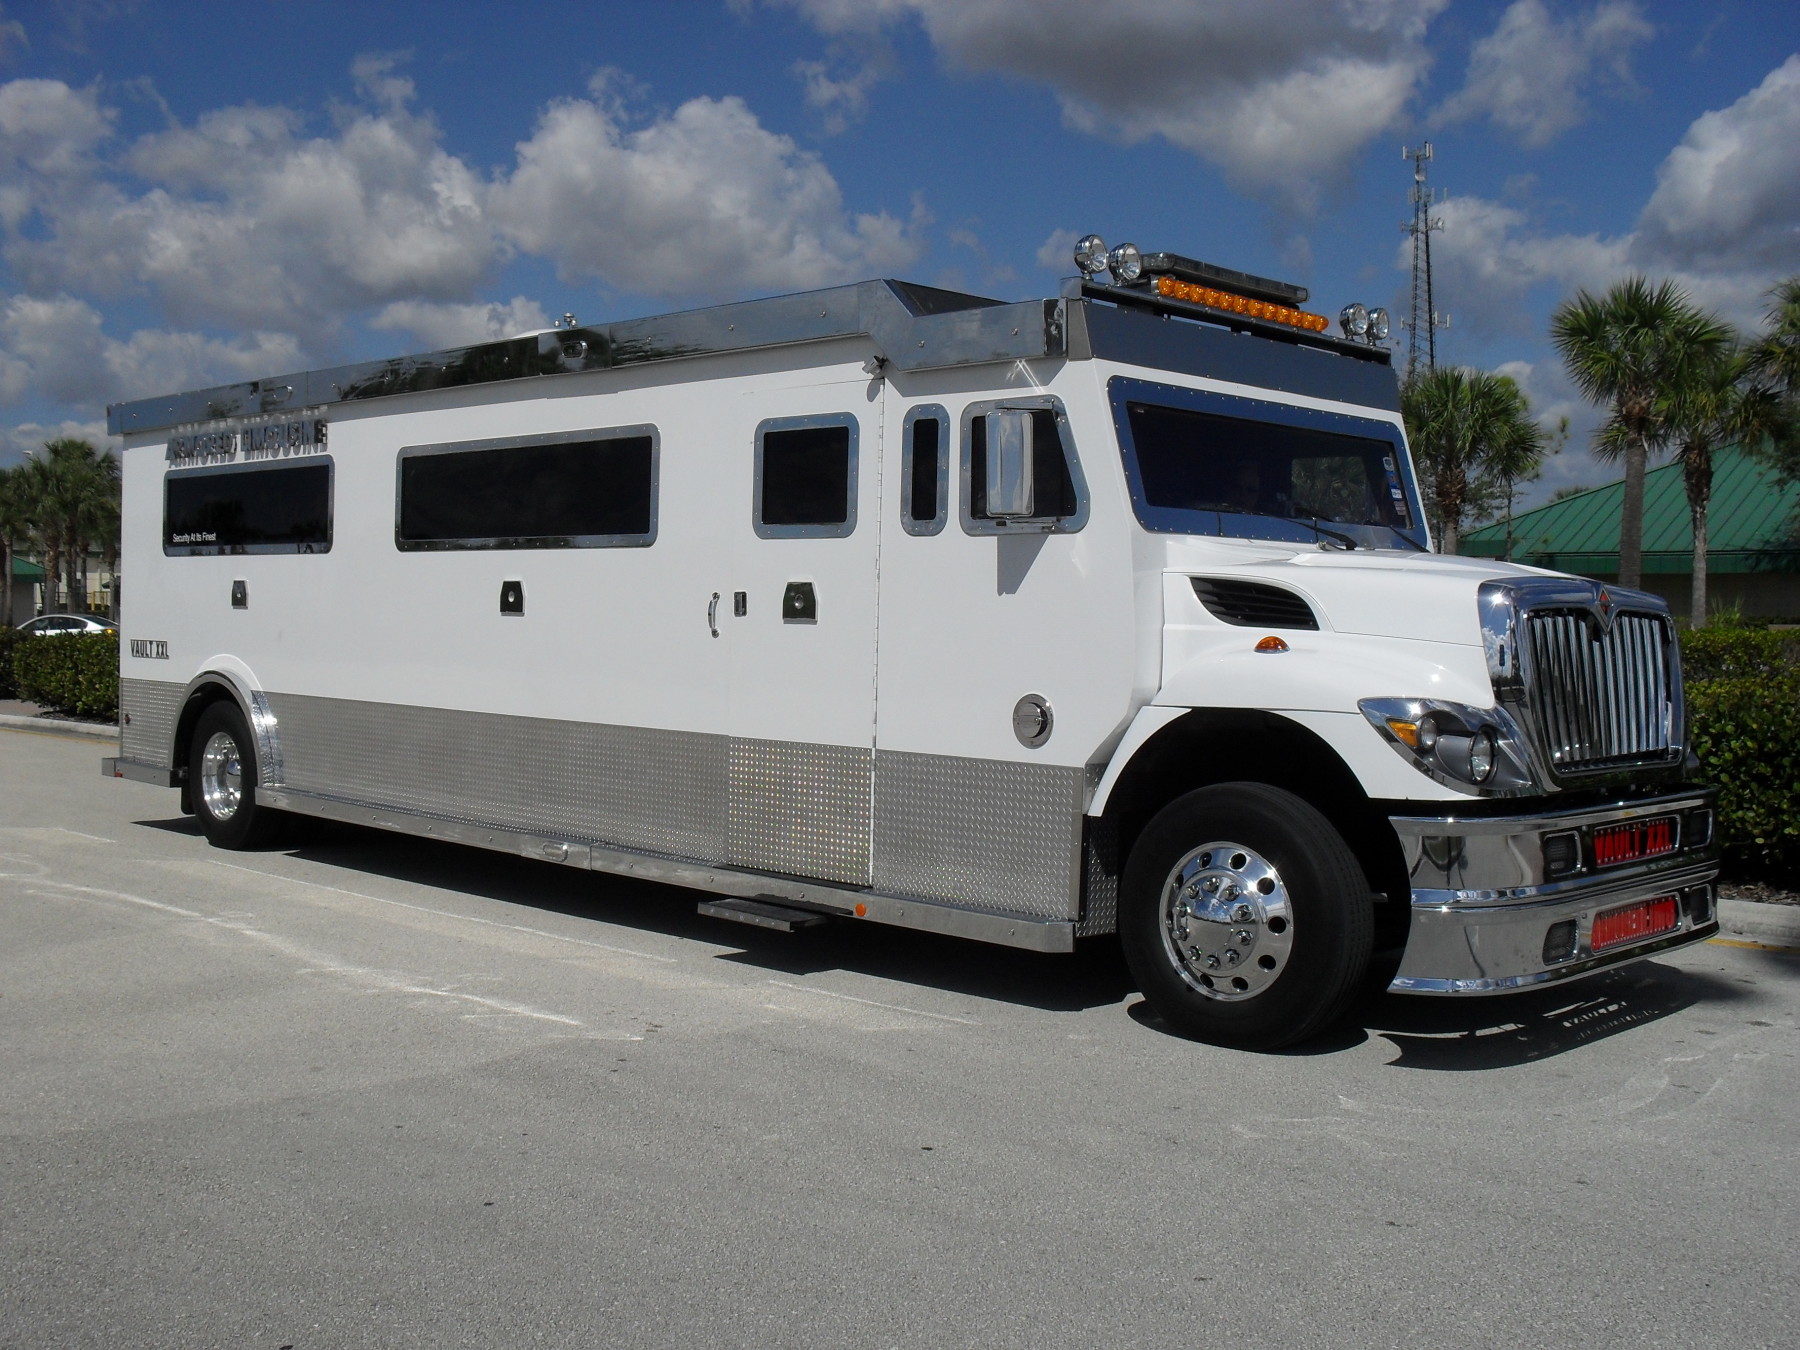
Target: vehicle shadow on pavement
(1497,1033)
(1093,976)
(1463,1035)
(1430,1033)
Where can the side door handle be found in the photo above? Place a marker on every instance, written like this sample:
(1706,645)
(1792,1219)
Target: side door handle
(712,614)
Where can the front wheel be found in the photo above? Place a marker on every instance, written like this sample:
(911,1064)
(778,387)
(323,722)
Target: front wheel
(222,782)
(1244,916)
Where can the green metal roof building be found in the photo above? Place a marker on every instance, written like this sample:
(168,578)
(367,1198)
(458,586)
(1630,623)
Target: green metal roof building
(27,577)
(1752,528)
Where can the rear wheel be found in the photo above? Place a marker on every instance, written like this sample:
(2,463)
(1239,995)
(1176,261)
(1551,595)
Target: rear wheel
(222,781)
(1245,917)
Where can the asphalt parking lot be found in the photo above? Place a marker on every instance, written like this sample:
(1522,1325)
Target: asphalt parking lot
(369,1091)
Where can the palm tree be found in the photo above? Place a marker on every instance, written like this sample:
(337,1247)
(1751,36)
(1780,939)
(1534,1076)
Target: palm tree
(72,494)
(1472,436)
(1717,402)
(15,527)
(1626,349)
(1776,357)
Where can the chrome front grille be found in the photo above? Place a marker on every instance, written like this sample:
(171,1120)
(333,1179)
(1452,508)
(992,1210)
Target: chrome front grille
(1601,699)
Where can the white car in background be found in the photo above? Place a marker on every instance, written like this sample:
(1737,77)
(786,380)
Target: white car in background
(55,625)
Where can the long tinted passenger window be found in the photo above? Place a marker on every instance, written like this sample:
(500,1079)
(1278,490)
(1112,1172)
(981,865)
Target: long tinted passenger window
(584,490)
(806,477)
(248,510)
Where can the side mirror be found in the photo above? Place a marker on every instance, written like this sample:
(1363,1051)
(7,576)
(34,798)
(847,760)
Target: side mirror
(1011,493)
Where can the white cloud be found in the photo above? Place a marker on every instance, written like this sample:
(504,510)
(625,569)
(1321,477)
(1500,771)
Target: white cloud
(1487,261)
(247,223)
(1530,73)
(703,202)
(1723,223)
(839,88)
(438,325)
(19,442)
(1279,95)
(56,348)
(48,128)
(1729,195)
(1057,253)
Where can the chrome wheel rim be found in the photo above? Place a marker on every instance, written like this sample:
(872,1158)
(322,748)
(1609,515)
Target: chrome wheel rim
(221,776)
(1227,926)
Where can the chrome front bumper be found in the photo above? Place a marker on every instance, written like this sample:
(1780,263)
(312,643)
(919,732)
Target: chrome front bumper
(1494,898)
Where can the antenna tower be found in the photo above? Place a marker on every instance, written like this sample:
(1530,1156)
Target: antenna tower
(1424,316)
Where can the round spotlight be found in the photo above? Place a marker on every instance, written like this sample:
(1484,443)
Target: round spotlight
(1354,320)
(1090,254)
(1126,263)
(1378,325)
(1481,755)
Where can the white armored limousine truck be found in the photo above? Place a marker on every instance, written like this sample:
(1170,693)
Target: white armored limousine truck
(1022,622)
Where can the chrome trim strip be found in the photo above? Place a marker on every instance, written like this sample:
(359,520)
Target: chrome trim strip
(120,767)
(1553,974)
(896,911)
(912,329)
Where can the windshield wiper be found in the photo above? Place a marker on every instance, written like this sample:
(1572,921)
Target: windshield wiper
(1338,535)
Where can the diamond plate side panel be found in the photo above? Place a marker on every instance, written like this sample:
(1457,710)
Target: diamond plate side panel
(1101,869)
(636,788)
(151,709)
(801,809)
(991,833)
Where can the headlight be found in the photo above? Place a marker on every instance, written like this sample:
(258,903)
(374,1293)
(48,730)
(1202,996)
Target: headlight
(1378,325)
(1455,744)
(1354,320)
(1090,254)
(1482,753)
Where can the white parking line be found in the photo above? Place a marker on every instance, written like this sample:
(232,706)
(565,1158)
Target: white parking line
(450,914)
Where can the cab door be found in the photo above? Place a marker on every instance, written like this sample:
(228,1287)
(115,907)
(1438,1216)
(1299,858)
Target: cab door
(798,623)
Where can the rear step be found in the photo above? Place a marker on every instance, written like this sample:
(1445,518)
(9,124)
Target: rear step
(763,914)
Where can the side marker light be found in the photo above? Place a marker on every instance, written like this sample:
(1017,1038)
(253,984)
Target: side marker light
(1408,732)
(1271,644)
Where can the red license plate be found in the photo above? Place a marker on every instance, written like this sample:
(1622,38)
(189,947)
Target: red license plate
(1633,841)
(1632,923)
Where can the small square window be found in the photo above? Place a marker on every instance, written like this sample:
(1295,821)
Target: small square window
(806,477)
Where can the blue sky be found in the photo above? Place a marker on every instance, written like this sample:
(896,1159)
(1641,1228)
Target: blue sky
(195,193)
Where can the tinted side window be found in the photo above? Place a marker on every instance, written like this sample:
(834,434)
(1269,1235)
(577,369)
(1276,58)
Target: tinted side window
(927,446)
(925,469)
(806,478)
(1055,489)
(576,491)
(248,510)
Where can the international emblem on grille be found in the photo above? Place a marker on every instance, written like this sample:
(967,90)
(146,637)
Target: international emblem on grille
(1603,609)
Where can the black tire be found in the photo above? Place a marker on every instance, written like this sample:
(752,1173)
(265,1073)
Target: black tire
(222,782)
(1259,943)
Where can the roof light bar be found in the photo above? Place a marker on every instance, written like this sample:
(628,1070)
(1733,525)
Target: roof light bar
(1241,304)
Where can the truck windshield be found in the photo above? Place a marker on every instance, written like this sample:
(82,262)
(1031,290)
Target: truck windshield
(1289,474)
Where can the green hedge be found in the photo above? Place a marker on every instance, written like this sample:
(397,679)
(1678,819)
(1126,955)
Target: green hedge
(72,673)
(9,686)
(1743,693)
(1732,653)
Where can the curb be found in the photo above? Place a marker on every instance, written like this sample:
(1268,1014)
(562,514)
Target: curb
(51,726)
(1771,925)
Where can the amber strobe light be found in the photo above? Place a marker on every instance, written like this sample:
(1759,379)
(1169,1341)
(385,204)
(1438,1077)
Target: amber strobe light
(1240,304)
